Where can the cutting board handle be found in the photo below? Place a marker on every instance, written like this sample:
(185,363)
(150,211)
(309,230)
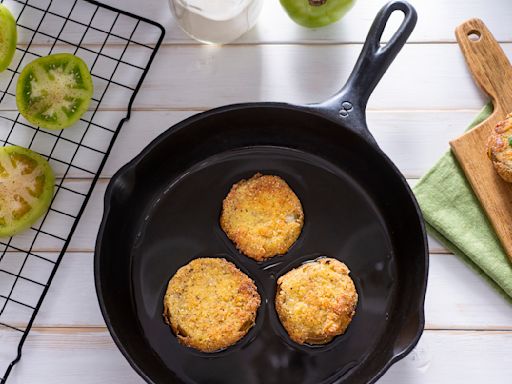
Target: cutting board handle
(486,60)
(493,73)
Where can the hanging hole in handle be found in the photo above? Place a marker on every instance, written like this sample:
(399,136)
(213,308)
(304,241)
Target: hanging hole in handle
(474,35)
(392,25)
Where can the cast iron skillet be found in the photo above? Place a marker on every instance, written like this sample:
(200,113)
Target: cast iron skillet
(162,210)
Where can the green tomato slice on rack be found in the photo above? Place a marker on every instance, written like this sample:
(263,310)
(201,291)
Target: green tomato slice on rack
(316,13)
(26,189)
(54,91)
(8,37)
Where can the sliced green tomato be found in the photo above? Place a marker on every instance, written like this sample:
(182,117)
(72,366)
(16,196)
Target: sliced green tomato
(26,189)
(8,37)
(316,13)
(53,92)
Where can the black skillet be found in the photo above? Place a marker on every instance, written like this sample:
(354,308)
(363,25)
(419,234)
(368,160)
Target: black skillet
(162,210)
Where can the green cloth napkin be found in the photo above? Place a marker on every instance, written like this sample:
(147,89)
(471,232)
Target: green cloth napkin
(456,219)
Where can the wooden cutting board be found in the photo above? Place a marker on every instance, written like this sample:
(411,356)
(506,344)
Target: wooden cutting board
(493,73)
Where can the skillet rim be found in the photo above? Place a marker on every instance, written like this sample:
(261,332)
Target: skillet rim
(319,111)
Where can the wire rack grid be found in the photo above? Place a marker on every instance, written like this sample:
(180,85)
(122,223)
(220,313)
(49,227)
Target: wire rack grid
(119,48)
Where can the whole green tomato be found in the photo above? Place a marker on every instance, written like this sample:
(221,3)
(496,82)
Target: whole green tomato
(316,13)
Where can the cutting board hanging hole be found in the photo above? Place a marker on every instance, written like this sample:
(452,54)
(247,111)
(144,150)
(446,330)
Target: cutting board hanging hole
(474,35)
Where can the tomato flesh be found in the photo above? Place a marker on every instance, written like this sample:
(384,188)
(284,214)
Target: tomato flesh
(316,13)
(8,37)
(26,189)
(53,92)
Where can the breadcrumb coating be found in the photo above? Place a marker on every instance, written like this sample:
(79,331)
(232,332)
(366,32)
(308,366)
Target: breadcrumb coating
(316,301)
(210,304)
(262,216)
(499,148)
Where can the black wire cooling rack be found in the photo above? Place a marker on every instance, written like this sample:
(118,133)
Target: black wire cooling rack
(118,47)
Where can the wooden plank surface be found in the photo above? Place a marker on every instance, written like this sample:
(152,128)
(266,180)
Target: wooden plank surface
(426,99)
(457,297)
(85,235)
(202,77)
(435,22)
(90,357)
(414,140)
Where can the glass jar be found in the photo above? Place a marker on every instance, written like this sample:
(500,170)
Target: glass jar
(216,21)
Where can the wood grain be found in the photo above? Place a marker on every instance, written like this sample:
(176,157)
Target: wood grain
(461,300)
(493,73)
(414,140)
(414,114)
(275,27)
(201,77)
(85,235)
(90,357)
(205,77)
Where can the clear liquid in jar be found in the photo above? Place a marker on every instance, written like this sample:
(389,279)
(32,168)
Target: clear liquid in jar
(216,21)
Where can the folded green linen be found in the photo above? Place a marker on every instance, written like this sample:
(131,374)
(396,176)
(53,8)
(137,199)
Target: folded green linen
(455,218)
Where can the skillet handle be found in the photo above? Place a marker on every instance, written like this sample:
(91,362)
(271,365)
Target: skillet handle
(374,60)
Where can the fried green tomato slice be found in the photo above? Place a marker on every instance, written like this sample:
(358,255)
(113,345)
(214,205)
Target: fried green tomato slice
(316,301)
(53,92)
(8,37)
(262,216)
(26,189)
(210,304)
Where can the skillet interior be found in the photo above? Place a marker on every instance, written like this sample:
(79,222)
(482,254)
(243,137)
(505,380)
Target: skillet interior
(162,210)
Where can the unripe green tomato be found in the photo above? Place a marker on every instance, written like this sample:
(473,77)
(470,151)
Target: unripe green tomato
(8,37)
(316,13)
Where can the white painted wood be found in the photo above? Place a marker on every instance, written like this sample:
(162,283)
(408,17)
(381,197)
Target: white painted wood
(437,20)
(90,357)
(71,301)
(457,297)
(426,99)
(84,237)
(455,358)
(414,140)
(87,357)
(202,77)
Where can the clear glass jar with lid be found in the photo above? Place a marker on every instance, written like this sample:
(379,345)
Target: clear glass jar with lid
(216,21)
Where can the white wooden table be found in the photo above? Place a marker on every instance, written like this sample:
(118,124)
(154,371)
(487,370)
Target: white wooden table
(426,98)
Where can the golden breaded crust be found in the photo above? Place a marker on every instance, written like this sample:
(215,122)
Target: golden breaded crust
(262,216)
(210,304)
(316,301)
(499,148)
